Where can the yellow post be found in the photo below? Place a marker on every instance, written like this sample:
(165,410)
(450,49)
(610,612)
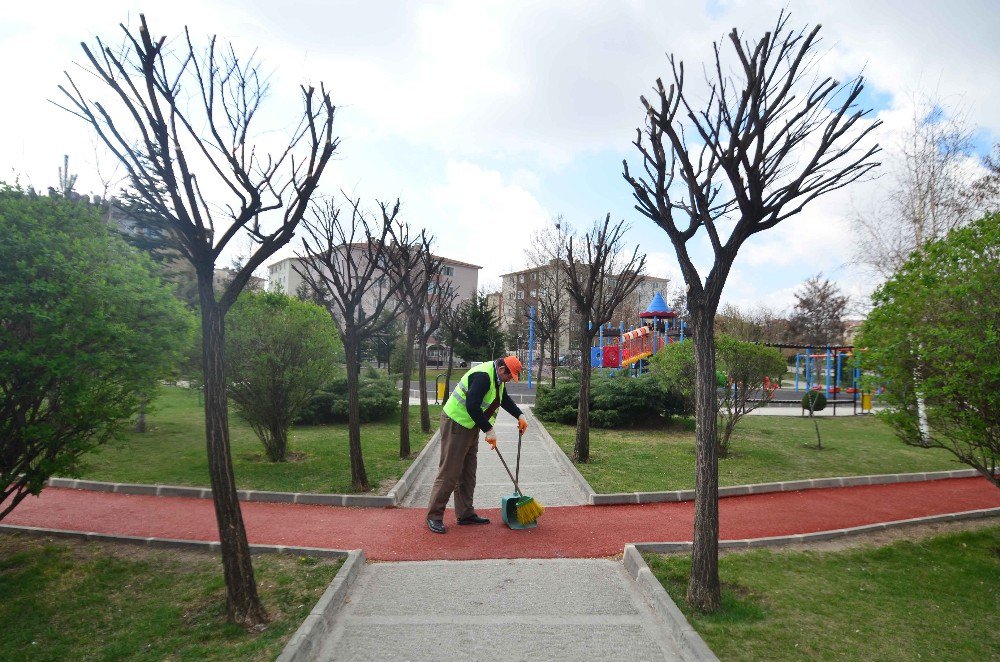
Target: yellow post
(440,388)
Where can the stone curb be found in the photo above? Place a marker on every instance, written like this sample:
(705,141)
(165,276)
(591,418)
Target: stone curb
(786,486)
(581,482)
(306,641)
(404,484)
(172,543)
(390,500)
(689,642)
(778,541)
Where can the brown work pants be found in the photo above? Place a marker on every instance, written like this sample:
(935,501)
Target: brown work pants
(456,470)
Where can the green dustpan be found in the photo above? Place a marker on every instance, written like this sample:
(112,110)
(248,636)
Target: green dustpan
(508,506)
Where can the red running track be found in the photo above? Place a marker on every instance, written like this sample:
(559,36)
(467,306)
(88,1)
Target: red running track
(400,534)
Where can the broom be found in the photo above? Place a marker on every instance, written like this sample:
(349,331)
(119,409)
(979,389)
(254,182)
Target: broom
(527,509)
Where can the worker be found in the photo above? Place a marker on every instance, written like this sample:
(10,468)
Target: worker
(472,407)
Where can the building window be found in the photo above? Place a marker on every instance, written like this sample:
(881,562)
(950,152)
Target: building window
(520,295)
(447,271)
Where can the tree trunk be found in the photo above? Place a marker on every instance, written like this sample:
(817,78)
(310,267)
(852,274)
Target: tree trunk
(555,360)
(425,414)
(278,449)
(447,375)
(359,479)
(541,360)
(404,409)
(140,419)
(242,602)
(704,591)
(581,449)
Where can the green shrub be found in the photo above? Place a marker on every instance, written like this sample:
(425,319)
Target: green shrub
(619,401)
(817,398)
(378,399)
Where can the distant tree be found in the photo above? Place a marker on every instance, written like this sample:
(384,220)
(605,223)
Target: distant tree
(279,352)
(748,376)
(984,194)
(438,304)
(753,372)
(929,190)
(449,332)
(769,138)
(412,266)
(759,324)
(818,316)
(86,332)
(934,335)
(548,252)
(477,330)
(345,264)
(600,274)
(180,119)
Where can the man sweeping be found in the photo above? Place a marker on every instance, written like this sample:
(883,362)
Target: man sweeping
(472,407)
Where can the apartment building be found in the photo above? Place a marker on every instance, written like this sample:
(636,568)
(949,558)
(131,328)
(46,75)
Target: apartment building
(284,275)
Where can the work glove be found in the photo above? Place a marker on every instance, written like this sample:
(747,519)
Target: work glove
(491,438)
(522,424)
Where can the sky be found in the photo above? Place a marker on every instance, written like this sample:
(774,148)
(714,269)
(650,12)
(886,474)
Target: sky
(489,119)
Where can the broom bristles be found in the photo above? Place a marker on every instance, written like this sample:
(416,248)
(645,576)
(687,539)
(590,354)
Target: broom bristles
(528,510)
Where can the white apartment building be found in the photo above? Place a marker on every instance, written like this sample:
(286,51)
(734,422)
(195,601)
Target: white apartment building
(283,277)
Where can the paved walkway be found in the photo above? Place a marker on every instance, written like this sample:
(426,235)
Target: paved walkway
(573,609)
(487,592)
(543,474)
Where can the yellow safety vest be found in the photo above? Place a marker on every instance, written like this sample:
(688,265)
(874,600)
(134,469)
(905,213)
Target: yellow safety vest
(456,409)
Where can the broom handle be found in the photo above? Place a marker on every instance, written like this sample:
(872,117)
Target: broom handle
(517,466)
(516,489)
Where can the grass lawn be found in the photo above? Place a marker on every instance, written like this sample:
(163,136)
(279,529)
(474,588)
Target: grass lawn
(173,452)
(764,449)
(936,598)
(67,600)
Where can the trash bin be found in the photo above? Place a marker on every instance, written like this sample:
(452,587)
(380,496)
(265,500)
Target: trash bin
(440,388)
(866,401)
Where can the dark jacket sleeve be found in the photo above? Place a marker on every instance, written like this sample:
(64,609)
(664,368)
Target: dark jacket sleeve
(509,406)
(479,386)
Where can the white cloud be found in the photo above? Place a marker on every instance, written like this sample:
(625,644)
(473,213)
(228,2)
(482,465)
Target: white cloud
(484,218)
(474,112)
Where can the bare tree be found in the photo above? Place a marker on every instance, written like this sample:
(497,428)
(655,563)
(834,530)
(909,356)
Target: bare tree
(548,251)
(765,144)
(599,276)
(818,316)
(439,300)
(345,266)
(931,190)
(408,261)
(179,121)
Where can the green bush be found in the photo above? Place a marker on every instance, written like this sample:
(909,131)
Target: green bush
(817,398)
(619,401)
(379,399)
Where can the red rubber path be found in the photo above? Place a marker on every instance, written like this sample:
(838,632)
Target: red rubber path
(399,534)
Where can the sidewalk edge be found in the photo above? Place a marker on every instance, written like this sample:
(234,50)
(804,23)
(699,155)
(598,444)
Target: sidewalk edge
(818,536)
(405,484)
(562,458)
(305,643)
(783,486)
(691,645)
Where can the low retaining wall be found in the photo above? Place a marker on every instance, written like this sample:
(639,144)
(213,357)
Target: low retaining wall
(689,642)
(785,486)
(307,640)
